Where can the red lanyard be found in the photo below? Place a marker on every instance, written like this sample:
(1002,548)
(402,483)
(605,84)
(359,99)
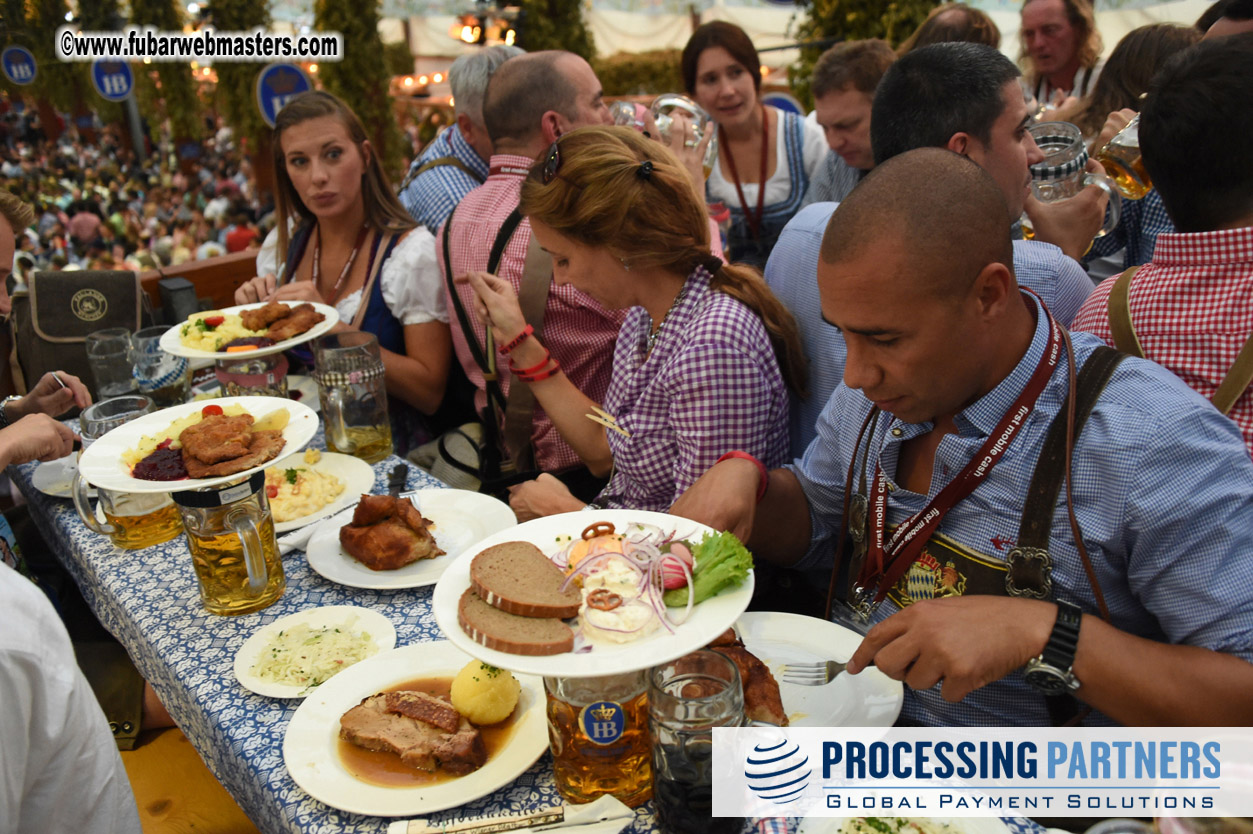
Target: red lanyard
(886,564)
(343,274)
(754,220)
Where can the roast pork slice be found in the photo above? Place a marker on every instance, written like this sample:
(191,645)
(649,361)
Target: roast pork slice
(375,724)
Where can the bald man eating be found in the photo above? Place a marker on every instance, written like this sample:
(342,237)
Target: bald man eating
(943,457)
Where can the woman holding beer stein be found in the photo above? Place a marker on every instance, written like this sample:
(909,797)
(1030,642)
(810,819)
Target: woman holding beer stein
(766,157)
(349,225)
(701,361)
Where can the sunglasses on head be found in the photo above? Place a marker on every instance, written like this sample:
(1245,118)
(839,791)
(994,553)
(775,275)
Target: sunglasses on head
(552,164)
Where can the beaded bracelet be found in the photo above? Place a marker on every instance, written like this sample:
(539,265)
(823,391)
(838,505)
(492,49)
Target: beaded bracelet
(764,479)
(521,372)
(527,331)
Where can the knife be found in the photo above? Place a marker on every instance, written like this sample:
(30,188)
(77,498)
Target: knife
(397,480)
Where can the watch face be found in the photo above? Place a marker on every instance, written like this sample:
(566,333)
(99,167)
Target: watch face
(1048,680)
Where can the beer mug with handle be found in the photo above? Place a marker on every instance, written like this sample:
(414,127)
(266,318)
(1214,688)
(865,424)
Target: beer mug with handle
(353,395)
(132,520)
(1062,175)
(230,533)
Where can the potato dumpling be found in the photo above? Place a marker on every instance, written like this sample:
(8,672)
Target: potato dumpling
(484,694)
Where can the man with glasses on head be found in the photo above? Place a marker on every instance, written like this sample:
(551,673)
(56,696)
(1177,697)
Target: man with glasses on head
(531,101)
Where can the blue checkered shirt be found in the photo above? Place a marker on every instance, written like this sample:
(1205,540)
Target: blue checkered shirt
(1163,492)
(1136,233)
(792,273)
(833,181)
(432,195)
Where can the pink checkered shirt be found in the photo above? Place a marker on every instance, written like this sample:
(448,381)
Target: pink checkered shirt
(578,331)
(1191,307)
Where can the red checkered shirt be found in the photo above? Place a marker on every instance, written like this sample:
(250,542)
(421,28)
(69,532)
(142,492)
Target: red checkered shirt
(1191,309)
(578,331)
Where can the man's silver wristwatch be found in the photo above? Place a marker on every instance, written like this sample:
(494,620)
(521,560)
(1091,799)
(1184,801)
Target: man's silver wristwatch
(4,409)
(1051,673)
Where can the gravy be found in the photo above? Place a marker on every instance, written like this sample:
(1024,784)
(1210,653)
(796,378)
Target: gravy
(388,771)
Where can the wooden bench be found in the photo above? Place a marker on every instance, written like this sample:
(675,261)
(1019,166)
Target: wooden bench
(214,278)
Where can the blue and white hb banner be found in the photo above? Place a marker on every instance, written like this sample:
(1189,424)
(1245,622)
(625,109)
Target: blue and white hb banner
(1115,772)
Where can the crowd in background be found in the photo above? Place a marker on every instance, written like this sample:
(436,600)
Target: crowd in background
(97,208)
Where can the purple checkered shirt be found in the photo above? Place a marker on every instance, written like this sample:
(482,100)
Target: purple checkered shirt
(710,385)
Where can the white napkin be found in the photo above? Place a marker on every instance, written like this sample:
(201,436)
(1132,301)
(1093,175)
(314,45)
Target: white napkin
(297,539)
(604,816)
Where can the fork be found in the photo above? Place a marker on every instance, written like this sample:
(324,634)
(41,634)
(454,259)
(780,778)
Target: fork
(812,674)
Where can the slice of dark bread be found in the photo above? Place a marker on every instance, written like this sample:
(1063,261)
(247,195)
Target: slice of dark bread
(510,633)
(517,577)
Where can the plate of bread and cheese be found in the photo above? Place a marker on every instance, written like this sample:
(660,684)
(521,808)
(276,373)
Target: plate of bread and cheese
(386,542)
(593,593)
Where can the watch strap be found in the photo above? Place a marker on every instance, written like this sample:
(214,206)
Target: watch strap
(1059,651)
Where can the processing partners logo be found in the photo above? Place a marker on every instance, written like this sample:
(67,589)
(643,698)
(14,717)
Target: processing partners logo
(983,772)
(777,770)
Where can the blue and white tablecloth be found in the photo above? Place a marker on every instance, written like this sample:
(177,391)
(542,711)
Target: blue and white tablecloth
(149,600)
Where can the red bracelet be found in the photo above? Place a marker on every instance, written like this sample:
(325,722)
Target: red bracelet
(524,371)
(540,377)
(517,340)
(761,470)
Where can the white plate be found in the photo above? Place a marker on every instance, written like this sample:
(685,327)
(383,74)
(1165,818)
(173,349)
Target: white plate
(957,825)
(382,634)
(295,382)
(357,475)
(708,619)
(102,464)
(868,699)
(310,745)
(170,343)
(56,477)
(461,519)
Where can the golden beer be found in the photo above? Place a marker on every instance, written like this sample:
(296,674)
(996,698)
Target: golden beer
(1126,168)
(223,573)
(140,521)
(1121,160)
(370,443)
(598,734)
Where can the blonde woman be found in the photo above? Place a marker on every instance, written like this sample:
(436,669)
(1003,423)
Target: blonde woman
(706,353)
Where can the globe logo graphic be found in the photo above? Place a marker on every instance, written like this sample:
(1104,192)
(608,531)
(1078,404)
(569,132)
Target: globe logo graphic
(777,771)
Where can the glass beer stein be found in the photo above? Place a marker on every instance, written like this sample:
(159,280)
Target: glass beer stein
(1062,175)
(353,395)
(598,734)
(230,533)
(132,521)
(1121,158)
(664,109)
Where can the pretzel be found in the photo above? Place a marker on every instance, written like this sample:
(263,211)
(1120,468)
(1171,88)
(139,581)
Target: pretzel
(600,528)
(603,599)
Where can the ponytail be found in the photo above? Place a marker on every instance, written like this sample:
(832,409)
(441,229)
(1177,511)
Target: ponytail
(745,284)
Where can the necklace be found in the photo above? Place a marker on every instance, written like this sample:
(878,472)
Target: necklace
(654,335)
(343,274)
(754,219)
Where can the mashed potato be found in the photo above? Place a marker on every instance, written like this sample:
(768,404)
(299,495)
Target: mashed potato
(485,694)
(298,491)
(197,332)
